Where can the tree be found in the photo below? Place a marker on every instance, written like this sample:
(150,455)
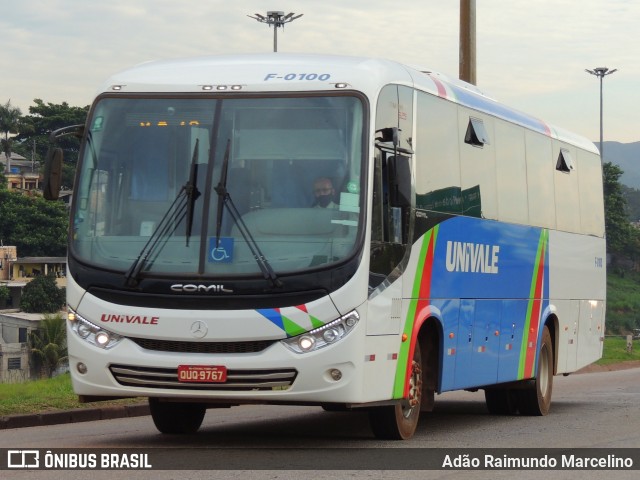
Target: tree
(615,210)
(19,216)
(43,119)
(5,295)
(49,343)
(42,295)
(9,123)
(632,197)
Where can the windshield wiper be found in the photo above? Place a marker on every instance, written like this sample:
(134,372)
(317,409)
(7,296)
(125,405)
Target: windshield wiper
(181,207)
(191,189)
(222,192)
(224,200)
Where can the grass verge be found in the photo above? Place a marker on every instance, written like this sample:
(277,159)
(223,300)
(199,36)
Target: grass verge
(615,351)
(45,395)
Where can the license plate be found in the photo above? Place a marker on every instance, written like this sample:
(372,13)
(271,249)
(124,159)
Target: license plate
(202,374)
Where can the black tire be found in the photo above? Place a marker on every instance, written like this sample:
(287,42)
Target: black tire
(399,422)
(535,398)
(176,418)
(501,401)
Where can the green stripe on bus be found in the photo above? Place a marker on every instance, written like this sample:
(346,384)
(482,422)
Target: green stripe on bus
(403,355)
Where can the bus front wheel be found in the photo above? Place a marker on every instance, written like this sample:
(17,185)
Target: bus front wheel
(176,418)
(399,421)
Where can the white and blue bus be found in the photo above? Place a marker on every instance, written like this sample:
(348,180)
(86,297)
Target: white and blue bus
(344,232)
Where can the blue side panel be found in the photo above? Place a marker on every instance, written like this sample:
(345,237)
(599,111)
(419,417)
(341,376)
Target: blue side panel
(464,352)
(475,355)
(450,310)
(484,367)
(514,313)
(482,276)
(477,258)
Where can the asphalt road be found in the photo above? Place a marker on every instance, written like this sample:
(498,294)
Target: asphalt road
(594,410)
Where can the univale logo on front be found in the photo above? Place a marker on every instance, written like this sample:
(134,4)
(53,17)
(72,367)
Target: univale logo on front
(139,319)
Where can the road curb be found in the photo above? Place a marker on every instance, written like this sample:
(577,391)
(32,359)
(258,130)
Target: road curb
(73,416)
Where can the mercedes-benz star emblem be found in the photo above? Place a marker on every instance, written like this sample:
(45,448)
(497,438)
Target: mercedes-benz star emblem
(199,329)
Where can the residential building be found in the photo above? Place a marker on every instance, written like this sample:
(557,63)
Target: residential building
(22,174)
(15,359)
(16,272)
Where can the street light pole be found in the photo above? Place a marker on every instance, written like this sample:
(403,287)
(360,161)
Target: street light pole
(277,19)
(467,55)
(601,72)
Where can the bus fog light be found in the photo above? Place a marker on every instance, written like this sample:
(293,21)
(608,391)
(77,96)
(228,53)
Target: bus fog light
(335,374)
(82,368)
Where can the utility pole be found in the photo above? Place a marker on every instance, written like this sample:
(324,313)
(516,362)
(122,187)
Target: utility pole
(277,19)
(467,59)
(601,72)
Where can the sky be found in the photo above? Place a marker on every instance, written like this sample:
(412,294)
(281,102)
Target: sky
(530,55)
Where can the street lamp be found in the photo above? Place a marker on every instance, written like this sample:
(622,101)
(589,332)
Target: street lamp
(601,72)
(277,19)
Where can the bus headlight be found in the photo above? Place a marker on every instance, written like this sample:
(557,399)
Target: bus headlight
(323,336)
(92,333)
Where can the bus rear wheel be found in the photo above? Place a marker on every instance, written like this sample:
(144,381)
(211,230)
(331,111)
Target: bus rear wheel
(535,398)
(501,401)
(399,421)
(176,418)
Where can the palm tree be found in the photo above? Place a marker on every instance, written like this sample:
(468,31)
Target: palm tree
(49,343)
(9,122)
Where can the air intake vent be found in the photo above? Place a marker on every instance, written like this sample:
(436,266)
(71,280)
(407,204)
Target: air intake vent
(202,347)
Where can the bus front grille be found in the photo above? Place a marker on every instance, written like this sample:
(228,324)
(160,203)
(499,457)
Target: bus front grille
(237,380)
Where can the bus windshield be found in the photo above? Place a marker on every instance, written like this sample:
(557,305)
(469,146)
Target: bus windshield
(209,186)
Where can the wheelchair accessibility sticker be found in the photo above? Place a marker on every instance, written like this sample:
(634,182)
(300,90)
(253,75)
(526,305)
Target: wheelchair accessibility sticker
(222,252)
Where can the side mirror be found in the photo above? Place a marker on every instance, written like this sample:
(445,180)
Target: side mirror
(52,174)
(399,181)
(388,135)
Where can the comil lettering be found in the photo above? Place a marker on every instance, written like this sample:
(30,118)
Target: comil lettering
(472,257)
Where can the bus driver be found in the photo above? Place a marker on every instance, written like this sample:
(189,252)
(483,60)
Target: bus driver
(324,193)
